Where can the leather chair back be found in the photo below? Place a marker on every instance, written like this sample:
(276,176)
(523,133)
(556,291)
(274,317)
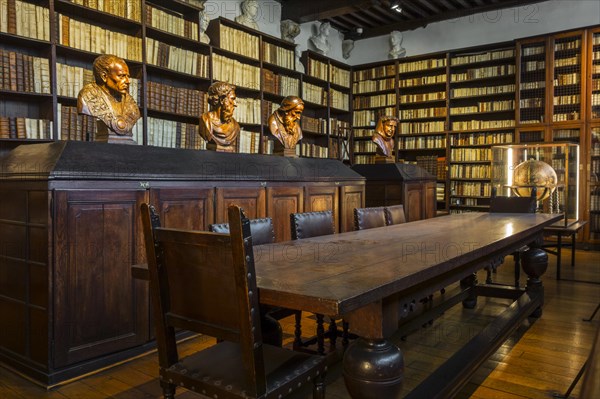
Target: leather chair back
(311,224)
(261,230)
(394,214)
(368,218)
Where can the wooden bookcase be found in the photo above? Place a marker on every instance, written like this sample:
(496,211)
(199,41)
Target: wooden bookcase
(171,72)
(327,96)
(374,91)
(481,114)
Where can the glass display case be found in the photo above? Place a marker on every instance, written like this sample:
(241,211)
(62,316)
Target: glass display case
(551,170)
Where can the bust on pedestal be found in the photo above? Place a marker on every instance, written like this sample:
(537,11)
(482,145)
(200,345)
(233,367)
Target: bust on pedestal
(108,100)
(320,41)
(248,16)
(383,137)
(284,125)
(217,126)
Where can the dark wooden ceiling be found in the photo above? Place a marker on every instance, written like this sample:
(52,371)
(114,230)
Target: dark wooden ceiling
(377,18)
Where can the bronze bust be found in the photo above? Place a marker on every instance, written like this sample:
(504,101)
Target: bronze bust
(284,125)
(108,100)
(384,138)
(217,126)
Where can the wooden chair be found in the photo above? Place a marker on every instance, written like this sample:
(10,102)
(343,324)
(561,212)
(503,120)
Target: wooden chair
(205,282)
(262,232)
(394,214)
(500,204)
(368,218)
(315,224)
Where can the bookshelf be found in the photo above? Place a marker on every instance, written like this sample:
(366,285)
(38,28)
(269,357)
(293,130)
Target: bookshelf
(593,89)
(423,112)
(374,94)
(326,91)
(567,73)
(481,114)
(532,55)
(593,179)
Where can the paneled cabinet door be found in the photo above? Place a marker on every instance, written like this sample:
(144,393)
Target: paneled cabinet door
(250,199)
(189,208)
(323,198)
(350,197)
(281,202)
(98,307)
(414,201)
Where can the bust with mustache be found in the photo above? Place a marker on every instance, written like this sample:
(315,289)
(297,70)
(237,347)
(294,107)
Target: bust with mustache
(217,126)
(284,125)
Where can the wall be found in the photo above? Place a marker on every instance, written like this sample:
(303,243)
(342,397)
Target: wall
(492,27)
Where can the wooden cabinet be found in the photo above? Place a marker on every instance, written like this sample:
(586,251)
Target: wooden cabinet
(70,230)
(406,184)
(97,307)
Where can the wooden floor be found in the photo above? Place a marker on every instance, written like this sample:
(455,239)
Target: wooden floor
(541,359)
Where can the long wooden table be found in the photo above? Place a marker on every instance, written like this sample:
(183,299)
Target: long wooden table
(373,279)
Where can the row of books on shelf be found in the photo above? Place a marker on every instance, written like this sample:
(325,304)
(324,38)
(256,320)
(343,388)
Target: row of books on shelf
(484,106)
(380,100)
(469,139)
(570,61)
(248,110)
(482,73)
(470,171)
(429,163)
(25,128)
(317,69)
(483,91)
(340,76)
(565,116)
(177,100)
(421,97)
(567,79)
(375,73)
(416,142)
(238,73)
(313,125)
(470,154)
(72,126)
(422,81)
(482,57)
(440,192)
(422,127)
(25,19)
(339,100)
(277,55)
(569,44)
(470,189)
(365,146)
(95,39)
(249,142)
(420,113)
(369,86)
(130,9)
(421,65)
(477,124)
(595,200)
(280,84)
(238,41)
(312,150)
(172,134)
(177,59)
(24,73)
(567,100)
(532,66)
(170,22)
(314,94)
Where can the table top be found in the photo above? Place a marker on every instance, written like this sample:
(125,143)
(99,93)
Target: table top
(339,273)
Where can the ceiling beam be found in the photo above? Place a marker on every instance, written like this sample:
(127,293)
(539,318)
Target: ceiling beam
(300,11)
(418,23)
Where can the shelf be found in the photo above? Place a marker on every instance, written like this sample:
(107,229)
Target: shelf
(8,38)
(481,80)
(176,40)
(193,119)
(370,93)
(174,74)
(93,16)
(281,70)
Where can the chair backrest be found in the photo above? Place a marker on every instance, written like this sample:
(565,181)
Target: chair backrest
(261,229)
(394,214)
(311,224)
(368,218)
(202,282)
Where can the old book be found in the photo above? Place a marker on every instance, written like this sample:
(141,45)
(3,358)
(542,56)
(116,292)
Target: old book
(3,15)
(11,17)
(12,128)
(20,127)
(64,28)
(4,127)
(19,72)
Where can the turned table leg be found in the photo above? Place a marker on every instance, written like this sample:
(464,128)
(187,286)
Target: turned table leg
(535,264)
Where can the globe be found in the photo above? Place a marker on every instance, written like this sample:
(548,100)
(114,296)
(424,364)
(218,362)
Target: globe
(534,173)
